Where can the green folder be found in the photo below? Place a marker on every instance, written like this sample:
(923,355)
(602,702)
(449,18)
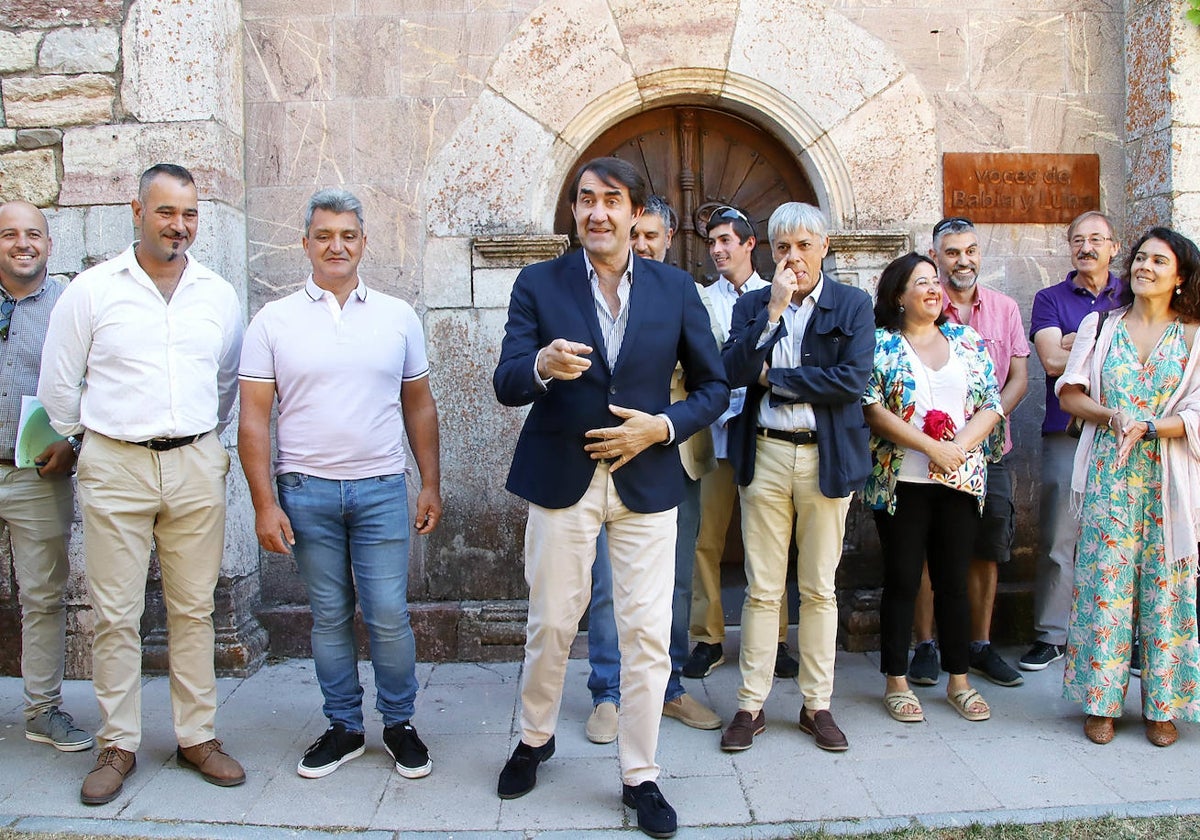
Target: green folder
(34,432)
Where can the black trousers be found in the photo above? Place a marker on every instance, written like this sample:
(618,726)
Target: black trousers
(933,524)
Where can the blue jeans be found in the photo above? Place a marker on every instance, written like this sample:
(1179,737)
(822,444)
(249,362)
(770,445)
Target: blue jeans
(603,653)
(354,534)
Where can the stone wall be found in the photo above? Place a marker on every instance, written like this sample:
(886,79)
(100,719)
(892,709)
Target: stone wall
(457,126)
(460,126)
(1162,117)
(93,93)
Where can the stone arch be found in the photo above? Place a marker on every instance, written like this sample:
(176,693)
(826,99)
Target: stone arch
(858,121)
(830,91)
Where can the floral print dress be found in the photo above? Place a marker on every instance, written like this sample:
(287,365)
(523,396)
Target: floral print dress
(1121,571)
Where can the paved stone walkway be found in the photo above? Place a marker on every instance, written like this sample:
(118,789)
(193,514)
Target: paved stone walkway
(1030,762)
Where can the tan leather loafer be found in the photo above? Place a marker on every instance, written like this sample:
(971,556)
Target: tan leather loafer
(103,784)
(212,762)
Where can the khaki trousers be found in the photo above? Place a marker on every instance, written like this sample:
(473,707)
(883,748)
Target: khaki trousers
(786,493)
(129,494)
(718,495)
(560,546)
(38,514)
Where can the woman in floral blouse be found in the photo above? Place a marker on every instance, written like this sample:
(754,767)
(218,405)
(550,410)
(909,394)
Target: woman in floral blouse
(931,404)
(1135,382)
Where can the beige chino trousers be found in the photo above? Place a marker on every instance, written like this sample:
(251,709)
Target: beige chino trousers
(786,494)
(560,547)
(128,495)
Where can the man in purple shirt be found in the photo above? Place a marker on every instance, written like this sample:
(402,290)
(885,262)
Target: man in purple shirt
(1057,312)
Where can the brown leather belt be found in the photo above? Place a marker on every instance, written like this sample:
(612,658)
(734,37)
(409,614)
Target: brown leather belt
(800,438)
(162,444)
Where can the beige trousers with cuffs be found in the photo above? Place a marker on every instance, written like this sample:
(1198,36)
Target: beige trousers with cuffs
(786,494)
(560,547)
(128,495)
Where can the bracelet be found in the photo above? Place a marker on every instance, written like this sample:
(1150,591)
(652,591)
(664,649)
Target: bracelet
(1112,417)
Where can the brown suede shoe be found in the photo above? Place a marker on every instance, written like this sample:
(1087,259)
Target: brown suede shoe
(212,762)
(739,735)
(103,784)
(824,730)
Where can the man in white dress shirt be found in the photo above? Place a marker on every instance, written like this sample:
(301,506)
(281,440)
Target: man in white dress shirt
(141,358)
(731,243)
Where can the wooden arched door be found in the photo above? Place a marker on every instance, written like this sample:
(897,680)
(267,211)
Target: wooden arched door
(699,159)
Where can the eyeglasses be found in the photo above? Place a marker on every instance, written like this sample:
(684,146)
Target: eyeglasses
(954,224)
(1095,240)
(727,212)
(6,310)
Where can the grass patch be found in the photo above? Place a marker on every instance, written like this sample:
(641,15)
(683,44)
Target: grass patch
(1106,828)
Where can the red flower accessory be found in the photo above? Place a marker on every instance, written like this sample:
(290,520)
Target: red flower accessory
(939,425)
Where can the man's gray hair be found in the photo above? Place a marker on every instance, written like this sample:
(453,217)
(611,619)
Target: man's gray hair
(950,225)
(794,216)
(1092,214)
(657,205)
(334,201)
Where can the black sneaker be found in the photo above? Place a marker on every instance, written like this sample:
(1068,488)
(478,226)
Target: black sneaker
(1039,656)
(785,666)
(925,667)
(704,658)
(1135,660)
(987,663)
(329,752)
(405,748)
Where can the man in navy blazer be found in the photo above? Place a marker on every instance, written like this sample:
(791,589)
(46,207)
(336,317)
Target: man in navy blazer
(804,347)
(591,342)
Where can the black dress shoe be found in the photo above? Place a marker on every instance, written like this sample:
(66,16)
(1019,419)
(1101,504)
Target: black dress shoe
(786,666)
(520,772)
(654,815)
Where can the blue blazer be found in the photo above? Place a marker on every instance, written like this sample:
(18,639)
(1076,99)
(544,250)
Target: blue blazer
(837,350)
(668,324)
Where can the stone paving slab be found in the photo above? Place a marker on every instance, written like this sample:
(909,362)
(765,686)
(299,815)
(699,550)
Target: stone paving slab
(1029,763)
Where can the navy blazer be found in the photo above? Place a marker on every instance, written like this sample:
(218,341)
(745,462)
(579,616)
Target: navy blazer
(838,351)
(667,324)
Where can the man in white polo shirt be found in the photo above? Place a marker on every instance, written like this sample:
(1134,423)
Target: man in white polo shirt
(348,367)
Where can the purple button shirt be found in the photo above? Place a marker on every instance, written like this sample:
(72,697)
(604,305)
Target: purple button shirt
(1064,306)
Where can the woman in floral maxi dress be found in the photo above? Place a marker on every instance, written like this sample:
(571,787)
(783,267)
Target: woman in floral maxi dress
(1138,467)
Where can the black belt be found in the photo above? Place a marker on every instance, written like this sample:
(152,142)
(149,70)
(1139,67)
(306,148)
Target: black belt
(163,444)
(800,438)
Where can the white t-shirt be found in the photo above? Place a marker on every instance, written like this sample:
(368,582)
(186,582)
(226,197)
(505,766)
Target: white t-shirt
(944,389)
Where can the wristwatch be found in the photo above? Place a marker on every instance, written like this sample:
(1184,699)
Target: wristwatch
(1151,432)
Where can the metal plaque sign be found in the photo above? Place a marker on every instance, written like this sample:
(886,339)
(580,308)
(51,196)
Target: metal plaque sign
(1033,189)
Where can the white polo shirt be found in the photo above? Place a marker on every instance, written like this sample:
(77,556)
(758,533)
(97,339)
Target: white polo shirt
(337,374)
